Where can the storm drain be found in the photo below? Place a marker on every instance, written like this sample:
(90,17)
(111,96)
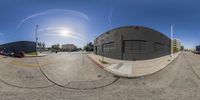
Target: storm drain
(118,66)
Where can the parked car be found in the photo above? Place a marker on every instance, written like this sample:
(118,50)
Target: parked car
(8,53)
(1,52)
(19,54)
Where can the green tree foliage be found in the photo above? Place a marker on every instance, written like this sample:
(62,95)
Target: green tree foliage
(182,48)
(175,49)
(89,47)
(55,47)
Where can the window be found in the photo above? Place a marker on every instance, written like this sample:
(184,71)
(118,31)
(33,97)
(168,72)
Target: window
(98,48)
(134,46)
(198,48)
(109,47)
(159,47)
(128,47)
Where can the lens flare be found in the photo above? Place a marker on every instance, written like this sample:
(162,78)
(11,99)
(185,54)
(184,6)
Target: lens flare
(65,33)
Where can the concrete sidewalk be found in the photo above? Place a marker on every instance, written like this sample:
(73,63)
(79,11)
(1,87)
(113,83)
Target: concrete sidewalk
(133,69)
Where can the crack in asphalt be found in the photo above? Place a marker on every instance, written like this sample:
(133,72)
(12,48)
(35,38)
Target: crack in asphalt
(68,84)
(64,86)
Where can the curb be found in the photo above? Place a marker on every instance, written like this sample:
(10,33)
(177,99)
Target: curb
(99,65)
(36,56)
(158,70)
(128,76)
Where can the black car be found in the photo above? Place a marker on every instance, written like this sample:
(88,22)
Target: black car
(19,54)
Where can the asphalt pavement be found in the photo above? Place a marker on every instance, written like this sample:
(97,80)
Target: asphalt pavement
(74,77)
(75,71)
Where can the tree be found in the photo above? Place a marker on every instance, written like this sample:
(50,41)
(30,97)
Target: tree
(175,50)
(55,47)
(182,48)
(89,47)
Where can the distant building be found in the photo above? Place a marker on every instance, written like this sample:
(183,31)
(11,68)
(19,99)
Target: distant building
(177,44)
(132,43)
(69,47)
(25,46)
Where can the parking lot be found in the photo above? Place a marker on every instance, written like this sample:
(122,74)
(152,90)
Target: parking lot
(68,70)
(72,76)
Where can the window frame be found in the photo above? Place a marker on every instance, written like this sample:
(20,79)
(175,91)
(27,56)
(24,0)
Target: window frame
(141,48)
(108,47)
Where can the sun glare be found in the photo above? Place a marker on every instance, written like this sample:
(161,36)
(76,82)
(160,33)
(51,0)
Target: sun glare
(65,33)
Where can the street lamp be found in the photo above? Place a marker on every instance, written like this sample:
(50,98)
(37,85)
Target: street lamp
(172,33)
(36,38)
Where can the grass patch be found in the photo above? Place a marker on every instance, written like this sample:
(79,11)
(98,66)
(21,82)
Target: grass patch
(32,53)
(103,62)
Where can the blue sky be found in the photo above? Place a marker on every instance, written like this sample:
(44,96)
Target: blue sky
(80,21)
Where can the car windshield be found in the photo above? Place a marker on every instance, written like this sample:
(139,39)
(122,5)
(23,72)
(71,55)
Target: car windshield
(99,50)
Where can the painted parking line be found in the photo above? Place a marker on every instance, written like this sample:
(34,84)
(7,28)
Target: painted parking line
(25,64)
(2,57)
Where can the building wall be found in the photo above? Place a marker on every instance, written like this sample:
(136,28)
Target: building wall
(69,47)
(132,43)
(198,49)
(25,46)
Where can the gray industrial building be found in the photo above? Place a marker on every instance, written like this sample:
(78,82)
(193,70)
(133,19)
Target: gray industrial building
(25,46)
(198,49)
(132,43)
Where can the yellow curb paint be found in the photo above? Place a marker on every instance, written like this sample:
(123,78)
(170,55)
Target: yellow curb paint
(24,64)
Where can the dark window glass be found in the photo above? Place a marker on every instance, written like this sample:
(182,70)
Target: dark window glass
(159,47)
(128,47)
(134,46)
(109,47)
(98,48)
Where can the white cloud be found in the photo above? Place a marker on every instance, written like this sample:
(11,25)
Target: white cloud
(64,11)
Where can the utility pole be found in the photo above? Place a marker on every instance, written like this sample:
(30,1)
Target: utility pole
(172,33)
(36,39)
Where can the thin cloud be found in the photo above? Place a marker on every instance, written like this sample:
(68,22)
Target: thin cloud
(68,36)
(1,34)
(64,11)
(55,31)
(110,17)
(51,29)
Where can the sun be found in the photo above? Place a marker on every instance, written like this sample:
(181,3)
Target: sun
(65,32)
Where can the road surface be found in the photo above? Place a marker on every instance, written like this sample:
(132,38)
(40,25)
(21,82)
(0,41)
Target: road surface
(66,76)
